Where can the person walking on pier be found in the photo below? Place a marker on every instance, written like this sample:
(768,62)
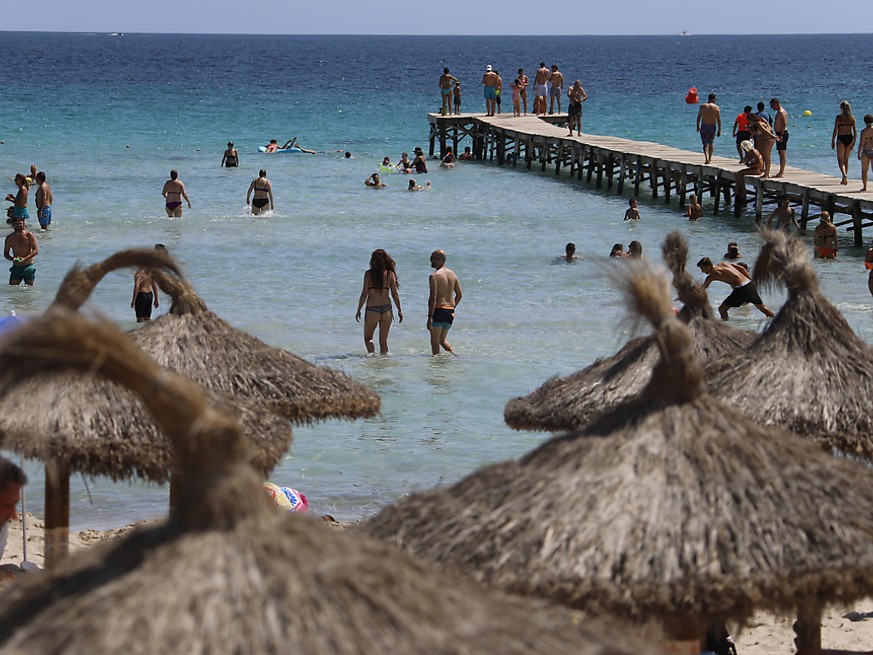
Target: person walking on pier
(738,277)
(541,90)
(577,96)
(780,127)
(865,149)
(557,88)
(489,81)
(446,82)
(522,78)
(843,138)
(709,126)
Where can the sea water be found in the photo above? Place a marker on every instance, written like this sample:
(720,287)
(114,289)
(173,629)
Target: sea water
(107,117)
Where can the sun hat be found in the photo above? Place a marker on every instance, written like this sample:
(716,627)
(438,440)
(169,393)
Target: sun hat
(488,68)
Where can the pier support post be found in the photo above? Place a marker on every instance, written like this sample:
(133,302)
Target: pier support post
(804,211)
(610,170)
(856,222)
(638,175)
(668,182)
(717,192)
(653,179)
(442,140)
(622,164)
(759,199)
(599,169)
(683,184)
(559,159)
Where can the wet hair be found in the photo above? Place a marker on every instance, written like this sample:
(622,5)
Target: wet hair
(711,97)
(868,118)
(380,265)
(635,247)
(11,472)
(630,203)
(173,174)
(40,177)
(262,173)
(704,261)
(616,249)
(412,184)
(570,247)
(348,155)
(747,109)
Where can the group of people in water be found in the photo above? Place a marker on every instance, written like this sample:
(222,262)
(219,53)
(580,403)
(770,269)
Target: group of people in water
(20,245)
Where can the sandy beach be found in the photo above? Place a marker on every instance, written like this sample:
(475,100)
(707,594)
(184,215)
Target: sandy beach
(765,634)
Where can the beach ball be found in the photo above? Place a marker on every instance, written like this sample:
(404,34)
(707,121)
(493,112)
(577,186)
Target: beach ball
(286,498)
(807,113)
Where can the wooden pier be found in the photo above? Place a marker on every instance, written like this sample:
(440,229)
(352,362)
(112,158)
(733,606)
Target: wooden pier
(623,164)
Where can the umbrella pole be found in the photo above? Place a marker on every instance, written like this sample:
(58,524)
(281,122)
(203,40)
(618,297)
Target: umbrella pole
(57,511)
(175,488)
(807,627)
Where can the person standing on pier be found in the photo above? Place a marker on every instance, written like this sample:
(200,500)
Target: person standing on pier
(489,81)
(498,90)
(865,149)
(780,127)
(741,129)
(709,126)
(445,294)
(557,88)
(577,96)
(522,78)
(456,94)
(541,90)
(446,82)
(516,97)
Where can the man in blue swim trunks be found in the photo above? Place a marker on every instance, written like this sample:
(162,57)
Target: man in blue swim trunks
(489,80)
(709,126)
(44,200)
(445,294)
(20,248)
(19,200)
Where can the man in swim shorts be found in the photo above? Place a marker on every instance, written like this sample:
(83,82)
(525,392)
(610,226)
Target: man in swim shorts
(44,200)
(445,294)
(20,248)
(709,126)
(19,200)
(446,82)
(865,149)
(489,80)
(557,88)
(738,277)
(541,88)
(780,128)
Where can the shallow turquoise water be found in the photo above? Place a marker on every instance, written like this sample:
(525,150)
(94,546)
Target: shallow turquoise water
(293,277)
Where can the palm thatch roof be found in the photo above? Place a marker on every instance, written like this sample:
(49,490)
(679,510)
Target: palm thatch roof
(571,402)
(99,427)
(808,372)
(672,505)
(228,574)
(195,342)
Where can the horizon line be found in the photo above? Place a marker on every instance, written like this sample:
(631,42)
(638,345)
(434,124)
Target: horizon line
(412,34)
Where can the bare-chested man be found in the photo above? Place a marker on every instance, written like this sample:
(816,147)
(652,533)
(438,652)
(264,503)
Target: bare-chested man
(783,217)
(19,200)
(445,294)
(21,249)
(489,80)
(780,127)
(446,82)
(541,88)
(709,126)
(44,201)
(145,294)
(557,88)
(824,240)
(738,277)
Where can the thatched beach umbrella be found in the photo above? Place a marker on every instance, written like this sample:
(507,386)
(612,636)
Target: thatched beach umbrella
(76,423)
(673,505)
(195,342)
(571,402)
(808,372)
(227,573)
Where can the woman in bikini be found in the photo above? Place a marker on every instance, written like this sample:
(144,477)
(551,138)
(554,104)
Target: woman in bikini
(173,193)
(843,138)
(865,149)
(754,162)
(379,282)
(263,191)
(764,138)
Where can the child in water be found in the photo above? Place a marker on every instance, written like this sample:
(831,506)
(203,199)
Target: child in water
(632,214)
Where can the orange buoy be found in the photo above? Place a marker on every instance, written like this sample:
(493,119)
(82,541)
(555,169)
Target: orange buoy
(692,98)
